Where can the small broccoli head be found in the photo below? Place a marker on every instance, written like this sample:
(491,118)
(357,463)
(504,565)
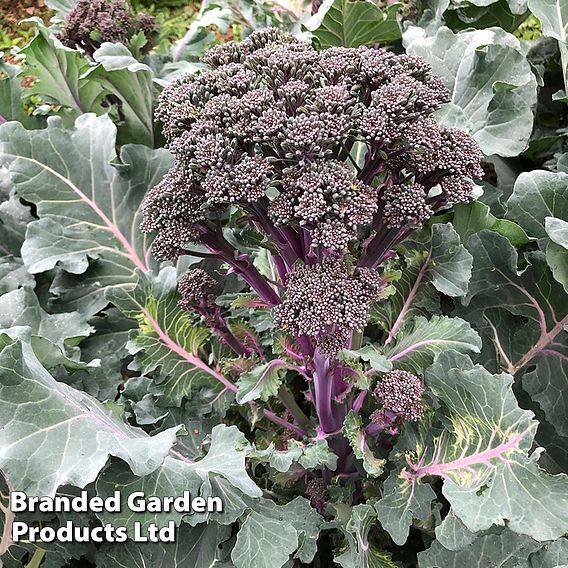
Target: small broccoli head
(400,394)
(327,301)
(318,493)
(92,22)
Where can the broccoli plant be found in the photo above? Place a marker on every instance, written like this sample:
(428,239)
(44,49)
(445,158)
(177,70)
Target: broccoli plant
(332,158)
(332,303)
(89,24)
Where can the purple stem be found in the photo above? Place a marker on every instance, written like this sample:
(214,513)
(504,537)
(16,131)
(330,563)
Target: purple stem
(243,266)
(358,403)
(323,387)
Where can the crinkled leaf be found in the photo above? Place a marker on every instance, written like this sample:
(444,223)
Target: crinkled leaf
(271,533)
(108,342)
(262,382)
(20,308)
(225,458)
(355,433)
(420,344)
(490,80)
(311,455)
(361,553)
(13,274)
(88,208)
(195,547)
(167,338)
(52,434)
(482,454)
(349,23)
(402,502)
(492,550)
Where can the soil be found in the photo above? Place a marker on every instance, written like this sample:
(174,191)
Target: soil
(12,12)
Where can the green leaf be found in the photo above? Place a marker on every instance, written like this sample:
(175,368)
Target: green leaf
(547,385)
(450,262)
(271,533)
(58,73)
(536,196)
(436,261)
(497,285)
(13,274)
(474,217)
(557,230)
(452,534)
(402,501)
(348,23)
(553,555)
(14,218)
(553,15)
(313,455)
(63,76)
(355,433)
(11,104)
(198,547)
(557,259)
(20,308)
(369,353)
(88,208)
(262,382)
(540,204)
(361,553)
(108,342)
(167,338)
(488,551)
(482,454)
(123,77)
(225,459)
(490,81)
(62,7)
(52,434)
(421,343)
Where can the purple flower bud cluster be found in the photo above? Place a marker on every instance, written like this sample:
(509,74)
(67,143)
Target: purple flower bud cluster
(400,394)
(327,301)
(197,291)
(406,206)
(173,208)
(90,23)
(317,492)
(272,123)
(326,198)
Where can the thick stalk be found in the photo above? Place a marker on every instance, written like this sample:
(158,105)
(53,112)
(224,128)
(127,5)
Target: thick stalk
(323,385)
